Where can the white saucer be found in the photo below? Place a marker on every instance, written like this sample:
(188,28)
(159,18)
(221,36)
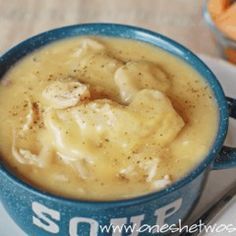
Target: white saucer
(218,180)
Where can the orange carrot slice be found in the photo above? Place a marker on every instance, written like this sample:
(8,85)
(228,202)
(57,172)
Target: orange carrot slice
(226,22)
(231,55)
(217,7)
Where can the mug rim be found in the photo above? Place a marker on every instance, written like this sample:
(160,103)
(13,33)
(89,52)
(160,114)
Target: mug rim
(182,52)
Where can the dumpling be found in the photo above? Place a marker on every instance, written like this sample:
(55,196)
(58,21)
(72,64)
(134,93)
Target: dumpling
(61,95)
(137,75)
(161,119)
(83,131)
(95,63)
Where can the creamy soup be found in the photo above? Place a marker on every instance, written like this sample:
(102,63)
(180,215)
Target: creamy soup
(104,118)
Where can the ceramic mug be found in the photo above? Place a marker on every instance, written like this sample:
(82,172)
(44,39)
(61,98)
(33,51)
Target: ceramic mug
(42,214)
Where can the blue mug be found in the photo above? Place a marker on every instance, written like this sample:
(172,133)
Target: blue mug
(41,214)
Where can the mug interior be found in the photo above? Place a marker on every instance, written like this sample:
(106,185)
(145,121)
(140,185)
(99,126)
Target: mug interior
(135,33)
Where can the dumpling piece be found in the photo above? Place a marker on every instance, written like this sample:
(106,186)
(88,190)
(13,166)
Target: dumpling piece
(161,119)
(25,156)
(137,75)
(88,45)
(161,183)
(94,62)
(61,95)
(84,131)
(88,130)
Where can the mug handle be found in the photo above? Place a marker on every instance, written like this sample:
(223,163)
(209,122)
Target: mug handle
(227,156)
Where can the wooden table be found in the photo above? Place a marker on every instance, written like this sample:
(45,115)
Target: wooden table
(179,19)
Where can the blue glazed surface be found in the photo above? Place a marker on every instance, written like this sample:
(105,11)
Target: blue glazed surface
(17,197)
(18,202)
(227,156)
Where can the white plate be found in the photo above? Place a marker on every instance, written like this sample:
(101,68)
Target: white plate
(218,180)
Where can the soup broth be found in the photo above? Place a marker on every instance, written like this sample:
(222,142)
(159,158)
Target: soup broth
(101,118)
